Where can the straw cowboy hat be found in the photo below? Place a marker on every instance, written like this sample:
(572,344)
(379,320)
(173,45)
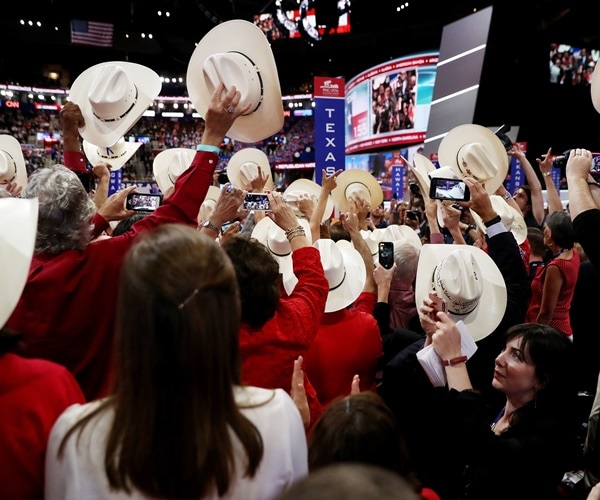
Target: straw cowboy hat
(595,88)
(237,53)
(400,233)
(116,155)
(18,228)
(511,218)
(243,167)
(421,168)
(306,187)
(274,238)
(345,271)
(169,164)
(356,182)
(112,97)
(475,151)
(470,282)
(209,203)
(12,162)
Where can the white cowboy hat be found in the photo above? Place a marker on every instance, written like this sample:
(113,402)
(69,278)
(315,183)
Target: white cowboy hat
(401,233)
(12,162)
(372,239)
(112,97)
(209,203)
(18,228)
(116,155)
(169,164)
(595,88)
(470,282)
(511,218)
(274,238)
(237,53)
(356,182)
(475,151)
(345,271)
(305,186)
(243,167)
(421,168)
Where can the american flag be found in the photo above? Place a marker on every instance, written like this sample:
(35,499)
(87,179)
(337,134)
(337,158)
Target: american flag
(91,33)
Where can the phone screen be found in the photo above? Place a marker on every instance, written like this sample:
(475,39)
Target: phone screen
(143,202)
(386,254)
(256,201)
(449,189)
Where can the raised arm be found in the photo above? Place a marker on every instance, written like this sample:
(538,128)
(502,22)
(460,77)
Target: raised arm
(545,164)
(328,184)
(537,199)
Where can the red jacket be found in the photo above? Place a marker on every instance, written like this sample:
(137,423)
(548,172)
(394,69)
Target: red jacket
(67,310)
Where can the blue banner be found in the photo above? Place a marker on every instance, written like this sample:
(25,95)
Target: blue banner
(398,181)
(329,126)
(115,181)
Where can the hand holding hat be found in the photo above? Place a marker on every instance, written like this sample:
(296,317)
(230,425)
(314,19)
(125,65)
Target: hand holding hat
(480,200)
(223,110)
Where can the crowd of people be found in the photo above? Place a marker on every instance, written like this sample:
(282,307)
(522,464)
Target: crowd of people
(200,350)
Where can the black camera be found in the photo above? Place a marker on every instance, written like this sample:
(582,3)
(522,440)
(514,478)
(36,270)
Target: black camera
(223,178)
(561,161)
(504,139)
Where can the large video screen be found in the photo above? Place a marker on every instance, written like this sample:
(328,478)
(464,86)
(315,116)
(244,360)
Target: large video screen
(388,105)
(571,65)
(302,19)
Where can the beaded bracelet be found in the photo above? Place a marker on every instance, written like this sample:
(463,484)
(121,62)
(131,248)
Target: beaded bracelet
(294,231)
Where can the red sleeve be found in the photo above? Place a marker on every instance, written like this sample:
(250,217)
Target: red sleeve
(365,302)
(99,224)
(75,161)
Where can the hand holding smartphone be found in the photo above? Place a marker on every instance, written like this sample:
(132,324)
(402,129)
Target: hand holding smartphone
(143,202)
(256,201)
(449,189)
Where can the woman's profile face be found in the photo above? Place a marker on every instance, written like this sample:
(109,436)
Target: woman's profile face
(513,374)
(520,198)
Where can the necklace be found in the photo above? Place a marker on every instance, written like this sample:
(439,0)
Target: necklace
(559,252)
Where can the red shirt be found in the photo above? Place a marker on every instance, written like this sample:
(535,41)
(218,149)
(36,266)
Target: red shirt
(348,343)
(33,393)
(67,310)
(268,354)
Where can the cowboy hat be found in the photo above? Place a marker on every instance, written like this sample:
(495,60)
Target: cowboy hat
(237,53)
(372,239)
(18,228)
(169,164)
(475,151)
(12,162)
(595,88)
(209,203)
(469,281)
(273,237)
(401,233)
(116,155)
(243,167)
(112,97)
(305,186)
(421,168)
(345,271)
(511,218)
(356,182)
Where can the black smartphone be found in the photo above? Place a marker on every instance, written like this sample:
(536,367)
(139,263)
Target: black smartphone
(386,254)
(449,189)
(143,202)
(256,201)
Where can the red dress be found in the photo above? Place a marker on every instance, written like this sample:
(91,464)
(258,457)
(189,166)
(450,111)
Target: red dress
(569,268)
(33,393)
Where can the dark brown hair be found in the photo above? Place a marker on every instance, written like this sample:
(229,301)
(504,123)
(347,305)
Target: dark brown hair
(178,361)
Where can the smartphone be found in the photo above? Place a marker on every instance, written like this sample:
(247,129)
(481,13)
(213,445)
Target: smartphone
(143,202)
(449,189)
(386,254)
(256,201)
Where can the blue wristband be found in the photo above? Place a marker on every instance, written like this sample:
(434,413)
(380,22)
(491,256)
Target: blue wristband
(208,148)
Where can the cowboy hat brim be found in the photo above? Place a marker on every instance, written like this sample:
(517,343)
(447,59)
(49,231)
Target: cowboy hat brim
(595,88)
(105,134)
(18,229)
(422,167)
(401,232)
(290,195)
(249,155)
(453,141)
(248,39)
(488,313)
(94,154)
(161,163)
(355,175)
(12,146)
(518,227)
